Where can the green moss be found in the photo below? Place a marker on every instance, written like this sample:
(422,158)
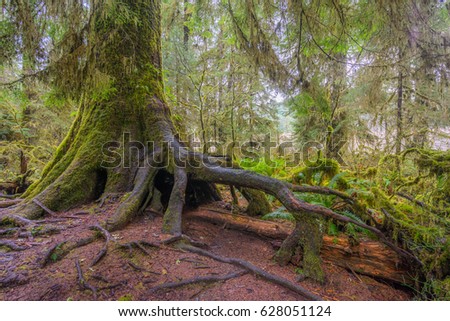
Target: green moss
(257,202)
(125,197)
(126,297)
(311,237)
(405,208)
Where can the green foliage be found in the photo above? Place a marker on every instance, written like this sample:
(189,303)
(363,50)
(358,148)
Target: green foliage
(276,167)
(317,199)
(338,180)
(421,223)
(437,289)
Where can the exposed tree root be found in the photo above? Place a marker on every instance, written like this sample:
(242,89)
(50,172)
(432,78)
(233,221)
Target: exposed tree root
(10,196)
(130,207)
(47,256)
(45,208)
(44,230)
(257,202)
(136,267)
(172,217)
(12,279)
(201,169)
(84,285)
(16,220)
(104,250)
(254,269)
(185,238)
(285,253)
(199,279)
(137,245)
(61,249)
(11,245)
(9,231)
(107,196)
(234,196)
(154,205)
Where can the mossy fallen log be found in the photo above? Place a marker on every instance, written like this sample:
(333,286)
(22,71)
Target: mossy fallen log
(368,257)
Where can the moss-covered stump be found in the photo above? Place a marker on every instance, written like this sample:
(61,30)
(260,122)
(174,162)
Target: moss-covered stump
(306,238)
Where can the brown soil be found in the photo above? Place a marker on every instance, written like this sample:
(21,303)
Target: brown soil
(131,274)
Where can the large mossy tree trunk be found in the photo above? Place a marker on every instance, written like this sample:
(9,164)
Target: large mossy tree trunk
(123,97)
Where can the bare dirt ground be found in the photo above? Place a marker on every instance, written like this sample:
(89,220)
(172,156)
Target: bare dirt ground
(132,274)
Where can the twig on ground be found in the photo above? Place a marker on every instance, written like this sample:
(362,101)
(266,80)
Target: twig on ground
(104,250)
(183,237)
(11,245)
(140,245)
(136,267)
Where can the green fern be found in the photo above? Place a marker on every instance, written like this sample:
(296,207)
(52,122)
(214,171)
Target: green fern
(336,178)
(279,214)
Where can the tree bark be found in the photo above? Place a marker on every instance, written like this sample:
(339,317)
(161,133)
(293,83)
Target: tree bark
(123,105)
(399,119)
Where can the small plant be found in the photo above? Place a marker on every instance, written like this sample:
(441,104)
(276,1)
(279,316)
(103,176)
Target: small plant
(126,297)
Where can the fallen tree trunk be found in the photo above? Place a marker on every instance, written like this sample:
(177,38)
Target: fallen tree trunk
(369,257)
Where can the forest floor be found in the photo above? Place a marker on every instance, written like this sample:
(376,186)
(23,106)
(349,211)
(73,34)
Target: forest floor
(131,274)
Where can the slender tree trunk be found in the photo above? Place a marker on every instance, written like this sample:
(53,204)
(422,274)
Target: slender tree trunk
(399,119)
(186,31)
(336,131)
